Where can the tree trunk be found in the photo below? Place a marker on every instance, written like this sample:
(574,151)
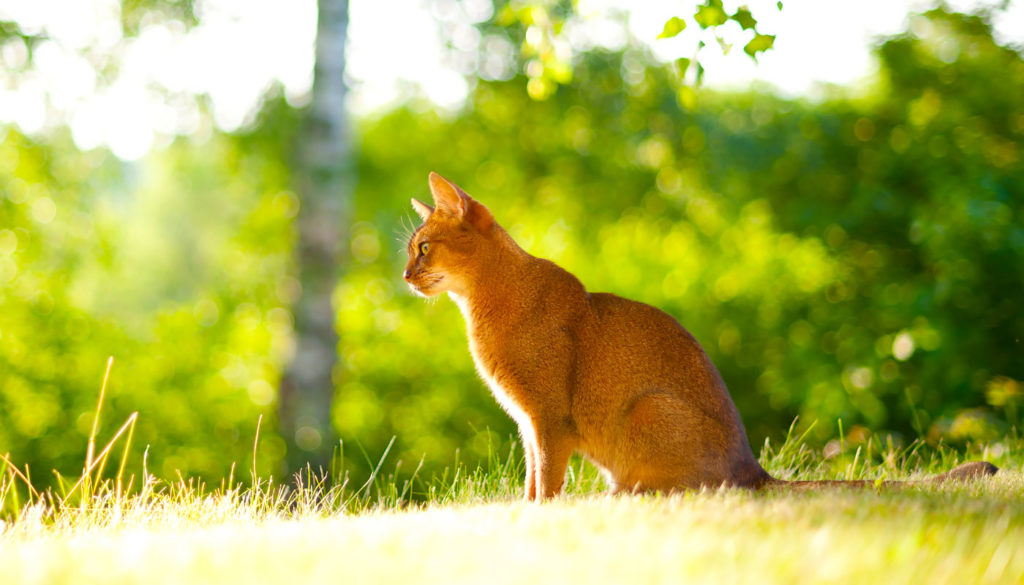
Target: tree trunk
(324,181)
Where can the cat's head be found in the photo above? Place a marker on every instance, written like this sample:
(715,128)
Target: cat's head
(451,243)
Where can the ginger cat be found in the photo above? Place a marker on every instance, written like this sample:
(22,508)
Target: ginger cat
(617,380)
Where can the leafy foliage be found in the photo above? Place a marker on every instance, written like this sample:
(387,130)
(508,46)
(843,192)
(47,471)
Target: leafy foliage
(673,26)
(711,14)
(758,44)
(135,12)
(539,28)
(855,259)
(817,251)
(182,287)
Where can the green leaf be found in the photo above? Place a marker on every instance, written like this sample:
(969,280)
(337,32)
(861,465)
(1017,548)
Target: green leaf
(726,47)
(673,26)
(682,65)
(779,4)
(687,97)
(758,44)
(507,16)
(744,17)
(711,14)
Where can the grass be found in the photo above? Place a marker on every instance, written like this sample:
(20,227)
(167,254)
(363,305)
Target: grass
(476,530)
(470,526)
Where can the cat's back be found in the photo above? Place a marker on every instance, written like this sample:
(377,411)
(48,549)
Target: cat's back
(633,322)
(637,341)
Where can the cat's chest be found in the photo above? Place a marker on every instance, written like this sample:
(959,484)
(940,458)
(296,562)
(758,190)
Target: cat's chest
(492,360)
(510,401)
(496,372)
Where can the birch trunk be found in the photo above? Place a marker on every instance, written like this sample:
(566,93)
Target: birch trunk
(324,181)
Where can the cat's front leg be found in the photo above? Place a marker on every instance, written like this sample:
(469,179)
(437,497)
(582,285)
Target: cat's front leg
(530,453)
(552,459)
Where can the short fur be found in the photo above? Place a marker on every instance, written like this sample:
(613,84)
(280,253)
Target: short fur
(619,381)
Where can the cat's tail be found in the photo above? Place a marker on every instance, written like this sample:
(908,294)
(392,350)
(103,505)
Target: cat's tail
(965,472)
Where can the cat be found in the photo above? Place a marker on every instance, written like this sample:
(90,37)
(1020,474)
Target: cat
(619,381)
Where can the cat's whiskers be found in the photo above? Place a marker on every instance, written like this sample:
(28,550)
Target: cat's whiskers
(404,232)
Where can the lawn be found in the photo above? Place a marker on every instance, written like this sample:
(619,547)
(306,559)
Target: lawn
(473,529)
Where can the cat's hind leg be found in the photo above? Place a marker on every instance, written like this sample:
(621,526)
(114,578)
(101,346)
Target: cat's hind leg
(665,444)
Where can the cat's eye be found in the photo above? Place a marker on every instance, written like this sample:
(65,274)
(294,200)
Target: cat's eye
(424,246)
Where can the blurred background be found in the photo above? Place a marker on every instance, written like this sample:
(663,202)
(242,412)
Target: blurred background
(828,195)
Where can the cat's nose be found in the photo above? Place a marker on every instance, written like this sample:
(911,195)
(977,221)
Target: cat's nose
(407,275)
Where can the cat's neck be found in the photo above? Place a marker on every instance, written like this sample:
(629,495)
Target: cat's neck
(501,284)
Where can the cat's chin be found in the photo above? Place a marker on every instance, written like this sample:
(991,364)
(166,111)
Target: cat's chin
(427,293)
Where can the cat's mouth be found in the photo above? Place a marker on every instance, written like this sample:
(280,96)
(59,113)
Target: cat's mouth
(427,286)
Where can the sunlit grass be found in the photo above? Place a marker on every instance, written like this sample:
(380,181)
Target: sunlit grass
(470,525)
(477,530)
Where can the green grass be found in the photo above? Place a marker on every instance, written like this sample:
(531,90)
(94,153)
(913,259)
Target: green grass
(948,536)
(470,525)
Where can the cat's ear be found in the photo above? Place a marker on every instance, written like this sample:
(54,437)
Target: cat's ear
(447,197)
(452,200)
(422,209)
